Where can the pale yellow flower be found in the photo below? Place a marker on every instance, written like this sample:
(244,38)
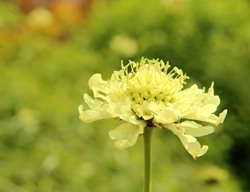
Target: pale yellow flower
(146,93)
(124,45)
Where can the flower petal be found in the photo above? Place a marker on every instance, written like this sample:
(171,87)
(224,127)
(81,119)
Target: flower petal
(125,135)
(92,103)
(192,146)
(99,86)
(167,116)
(222,116)
(163,114)
(196,104)
(216,120)
(189,141)
(195,129)
(195,148)
(92,115)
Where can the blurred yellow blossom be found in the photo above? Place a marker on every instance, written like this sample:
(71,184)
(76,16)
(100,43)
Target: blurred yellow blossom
(40,18)
(124,45)
(211,174)
(147,94)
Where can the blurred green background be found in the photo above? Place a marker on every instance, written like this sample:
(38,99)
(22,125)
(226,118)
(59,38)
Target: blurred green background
(48,51)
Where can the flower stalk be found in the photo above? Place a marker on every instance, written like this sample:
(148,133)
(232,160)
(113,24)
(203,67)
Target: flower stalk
(147,159)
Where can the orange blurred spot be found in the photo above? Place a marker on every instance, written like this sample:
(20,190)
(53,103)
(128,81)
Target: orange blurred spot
(70,10)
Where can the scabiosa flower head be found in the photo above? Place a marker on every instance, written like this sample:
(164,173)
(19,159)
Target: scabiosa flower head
(149,94)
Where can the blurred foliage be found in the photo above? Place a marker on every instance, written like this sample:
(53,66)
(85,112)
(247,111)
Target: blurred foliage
(45,63)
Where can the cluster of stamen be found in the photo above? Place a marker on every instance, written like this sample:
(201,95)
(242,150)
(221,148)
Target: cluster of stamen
(150,80)
(139,96)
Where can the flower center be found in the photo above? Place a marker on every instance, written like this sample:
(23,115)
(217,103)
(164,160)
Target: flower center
(149,84)
(137,97)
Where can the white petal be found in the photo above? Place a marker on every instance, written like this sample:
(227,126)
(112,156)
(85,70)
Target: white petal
(99,86)
(92,115)
(92,103)
(216,120)
(194,148)
(189,141)
(222,116)
(195,129)
(125,135)
(123,111)
(168,116)
(208,109)
(211,89)
(190,138)
(199,105)
(163,114)
(96,81)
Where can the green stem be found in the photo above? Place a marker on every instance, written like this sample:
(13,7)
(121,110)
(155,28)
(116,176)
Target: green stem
(147,159)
